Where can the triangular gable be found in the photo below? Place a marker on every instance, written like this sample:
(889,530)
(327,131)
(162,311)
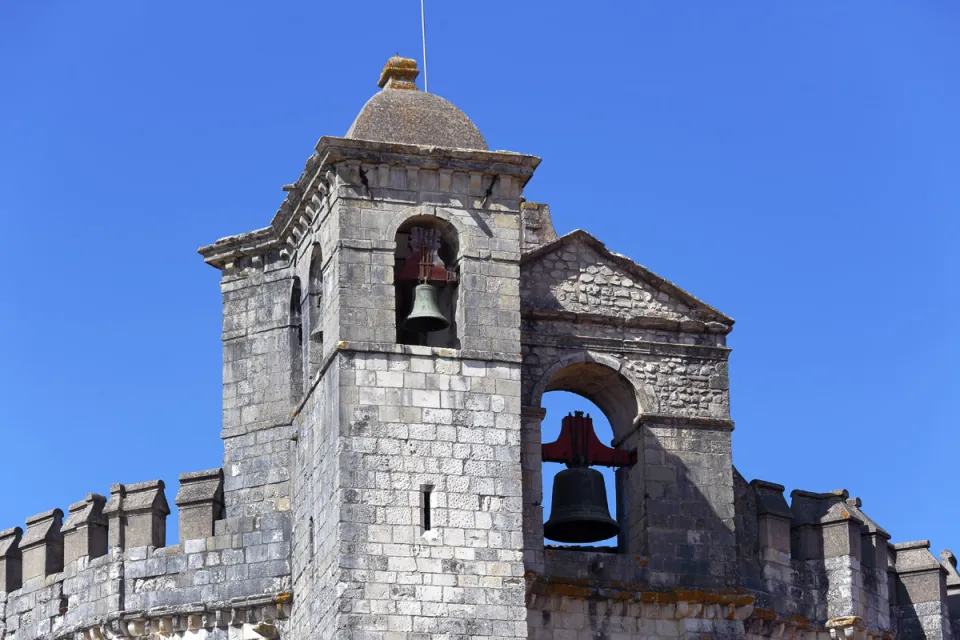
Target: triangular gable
(577,273)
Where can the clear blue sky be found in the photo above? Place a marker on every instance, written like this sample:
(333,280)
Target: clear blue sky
(794,164)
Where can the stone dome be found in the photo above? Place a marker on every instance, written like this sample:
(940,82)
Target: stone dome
(402,113)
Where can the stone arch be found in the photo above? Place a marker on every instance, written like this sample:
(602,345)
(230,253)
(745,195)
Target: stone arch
(296,342)
(314,310)
(445,291)
(604,380)
(427,212)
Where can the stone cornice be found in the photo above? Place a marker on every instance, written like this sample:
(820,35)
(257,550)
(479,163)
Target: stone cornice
(332,150)
(681,422)
(666,604)
(616,345)
(687,325)
(308,196)
(260,612)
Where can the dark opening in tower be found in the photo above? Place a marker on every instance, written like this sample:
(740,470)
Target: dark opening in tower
(586,496)
(426,277)
(314,314)
(295,337)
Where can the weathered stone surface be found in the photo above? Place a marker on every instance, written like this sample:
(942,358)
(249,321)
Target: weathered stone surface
(42,545)
(85,531)
(200,503)
(11,572)
(401,113)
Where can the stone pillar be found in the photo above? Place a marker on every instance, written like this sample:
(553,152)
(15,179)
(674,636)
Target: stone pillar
(200,501)
(85,531)
(536,226)
(921,592)
(42,545)
(825,536)
(874,542)
(137,515)
(773,527)
(10,560)
(531,466)
(146,510)
(949,563)
(632,496)
(116,522)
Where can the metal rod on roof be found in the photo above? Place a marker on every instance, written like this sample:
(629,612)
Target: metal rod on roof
(423,31)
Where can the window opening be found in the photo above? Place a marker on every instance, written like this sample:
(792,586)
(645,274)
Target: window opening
(427,517)
(579,498)
(426,274)
(312,534)
(315,311)
(296,343)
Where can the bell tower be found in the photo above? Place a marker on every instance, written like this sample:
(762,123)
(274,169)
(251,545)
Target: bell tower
(406,479)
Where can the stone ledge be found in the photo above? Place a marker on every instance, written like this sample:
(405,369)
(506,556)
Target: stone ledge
(620,345)
(255,614)
(430,352)
(673,604)
(636,322)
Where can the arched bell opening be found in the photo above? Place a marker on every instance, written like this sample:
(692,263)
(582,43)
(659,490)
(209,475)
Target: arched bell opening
(296,345)
(559,404)
(615,450)
(426,277)
(314,311)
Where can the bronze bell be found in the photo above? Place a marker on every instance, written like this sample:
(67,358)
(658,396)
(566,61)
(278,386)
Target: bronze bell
(579,508)
(425,315)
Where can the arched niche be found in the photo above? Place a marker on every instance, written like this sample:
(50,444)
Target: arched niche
(295,342)
(314,306)
(423,230)
(601,380)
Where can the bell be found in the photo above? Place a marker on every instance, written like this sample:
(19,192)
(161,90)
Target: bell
(579,512)
(425,315)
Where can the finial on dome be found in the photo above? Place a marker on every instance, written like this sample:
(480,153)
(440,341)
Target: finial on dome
(399,73)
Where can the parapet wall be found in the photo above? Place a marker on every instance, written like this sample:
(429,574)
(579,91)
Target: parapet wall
(107,572)
(825,563)
(815,568)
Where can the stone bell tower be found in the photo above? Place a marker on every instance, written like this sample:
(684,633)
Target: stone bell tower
(405,478)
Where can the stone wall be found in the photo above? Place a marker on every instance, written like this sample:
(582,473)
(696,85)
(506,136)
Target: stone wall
(238,575)
(416,421)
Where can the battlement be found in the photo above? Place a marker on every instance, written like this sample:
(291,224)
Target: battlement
(107,569)
(823,559)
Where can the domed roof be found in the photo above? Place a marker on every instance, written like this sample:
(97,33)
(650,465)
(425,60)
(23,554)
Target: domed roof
(401,113)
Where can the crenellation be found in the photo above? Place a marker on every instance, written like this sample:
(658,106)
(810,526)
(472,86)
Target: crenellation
(200,503)
(42,545)
(85,530)
(11,565)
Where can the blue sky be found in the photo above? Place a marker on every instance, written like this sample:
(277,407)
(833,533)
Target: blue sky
(793,164)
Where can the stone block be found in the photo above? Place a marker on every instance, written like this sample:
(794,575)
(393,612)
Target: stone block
(42,545)
(10,560)
(137,515)
(85,531)
(200,501)
(920,578)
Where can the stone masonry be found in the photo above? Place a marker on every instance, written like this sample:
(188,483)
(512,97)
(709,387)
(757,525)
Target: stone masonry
(378,486)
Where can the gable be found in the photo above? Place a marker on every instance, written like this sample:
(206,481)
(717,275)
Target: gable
(578,274)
